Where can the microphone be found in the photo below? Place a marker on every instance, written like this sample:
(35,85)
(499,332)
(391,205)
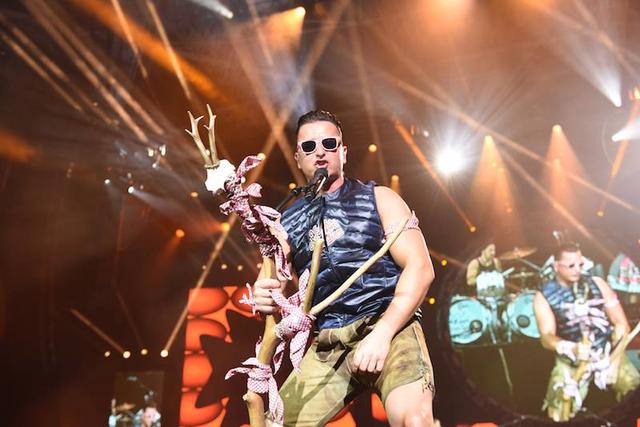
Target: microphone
(319,178)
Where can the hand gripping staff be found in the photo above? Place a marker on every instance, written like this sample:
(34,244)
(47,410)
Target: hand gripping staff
(260,225)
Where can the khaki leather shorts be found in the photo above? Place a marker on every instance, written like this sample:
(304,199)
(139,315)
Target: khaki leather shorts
(326,384)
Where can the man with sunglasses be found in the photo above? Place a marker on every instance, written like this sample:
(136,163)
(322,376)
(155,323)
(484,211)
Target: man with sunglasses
(580,319)
(370,338)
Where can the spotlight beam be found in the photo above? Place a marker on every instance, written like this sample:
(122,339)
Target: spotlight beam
(366,93)
(251,70)
(115,275)
(129,36)
(556,205)
(102,70)
(595,33)
(620,154)
(439,256)
(205,272)
(40,71)
(262,40)
(406,137)
(251,263)
(149,45)
(313,58)
(49,20)
(481,128)
(106,338)
(173,58)
(55,70)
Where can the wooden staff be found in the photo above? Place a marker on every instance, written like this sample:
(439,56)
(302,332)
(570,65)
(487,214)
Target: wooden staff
(254,402)
(583,365)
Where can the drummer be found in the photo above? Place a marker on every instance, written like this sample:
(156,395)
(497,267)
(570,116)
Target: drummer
(485,263)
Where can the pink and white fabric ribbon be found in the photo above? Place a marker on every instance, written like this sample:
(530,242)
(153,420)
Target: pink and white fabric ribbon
(259,223)
(295,325)
(260,380)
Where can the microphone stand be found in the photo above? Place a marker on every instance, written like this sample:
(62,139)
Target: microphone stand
(295,192)
(310,190)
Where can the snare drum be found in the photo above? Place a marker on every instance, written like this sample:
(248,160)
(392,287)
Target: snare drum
(468,320)
(519,316)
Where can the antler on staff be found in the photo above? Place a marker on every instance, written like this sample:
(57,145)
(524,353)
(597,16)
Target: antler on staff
(210,158)
(218,171)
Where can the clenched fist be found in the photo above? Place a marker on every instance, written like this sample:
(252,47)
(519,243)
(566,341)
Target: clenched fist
(262,295)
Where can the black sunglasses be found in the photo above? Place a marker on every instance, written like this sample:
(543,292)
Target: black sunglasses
(329,144)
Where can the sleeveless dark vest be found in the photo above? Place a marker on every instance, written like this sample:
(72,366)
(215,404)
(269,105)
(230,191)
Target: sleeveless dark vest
(348,221)
(556,295)
(489,268)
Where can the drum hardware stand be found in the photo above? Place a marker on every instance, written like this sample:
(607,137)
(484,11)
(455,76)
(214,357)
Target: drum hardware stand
(503,359)
(529,264)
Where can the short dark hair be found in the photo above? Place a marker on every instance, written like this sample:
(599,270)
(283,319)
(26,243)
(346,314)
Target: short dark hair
(318,116)
(566,247)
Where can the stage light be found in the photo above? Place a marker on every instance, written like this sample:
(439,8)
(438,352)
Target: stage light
(259,265)
(556,128)
(240,267)
(107,181)
(215,6)
(261,156)
(194,194)
(151,152)
(225,226)
(444,262)
(144,352)
(636,93)
(432,300)
(300,11)
(107,353)
(600,213)
(164,353)
(373,148)
(131,189)
(473,229)
(180,233)
(450,161)
(395,178)
(126,354)
(223,266)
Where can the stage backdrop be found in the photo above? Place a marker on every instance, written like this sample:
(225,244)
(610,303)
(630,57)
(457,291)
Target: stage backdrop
(221,333)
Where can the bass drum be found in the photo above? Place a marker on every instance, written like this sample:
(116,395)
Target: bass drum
(468,319)
(519,316)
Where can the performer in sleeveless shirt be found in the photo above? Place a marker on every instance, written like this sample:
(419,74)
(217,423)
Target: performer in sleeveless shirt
(568,308)
(486,262)
(370,338)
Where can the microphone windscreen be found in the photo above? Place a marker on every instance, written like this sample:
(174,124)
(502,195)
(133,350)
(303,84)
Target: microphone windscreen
(320,173)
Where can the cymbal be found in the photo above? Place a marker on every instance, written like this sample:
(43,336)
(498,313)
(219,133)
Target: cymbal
(517,253)
(521,275)
(125,407)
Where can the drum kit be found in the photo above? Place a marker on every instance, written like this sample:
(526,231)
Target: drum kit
(502,312)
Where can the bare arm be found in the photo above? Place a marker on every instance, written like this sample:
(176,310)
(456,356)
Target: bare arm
(613,309)
(412,256)
(546,322)
(472,272)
